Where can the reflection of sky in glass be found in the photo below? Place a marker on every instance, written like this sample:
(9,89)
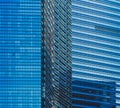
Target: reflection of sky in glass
(20,54)
(96,41)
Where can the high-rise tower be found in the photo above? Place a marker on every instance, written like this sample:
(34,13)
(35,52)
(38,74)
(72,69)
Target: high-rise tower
(35,46)
(56,54)
(96,47)
(20,54)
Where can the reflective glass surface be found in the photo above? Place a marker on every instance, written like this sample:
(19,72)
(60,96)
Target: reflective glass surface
(20,54)
(96,46)
(56,54)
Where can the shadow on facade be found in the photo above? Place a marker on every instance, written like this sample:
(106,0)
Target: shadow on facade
(93,94)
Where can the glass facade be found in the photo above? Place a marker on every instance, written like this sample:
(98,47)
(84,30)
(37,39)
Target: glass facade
(35,54)
(96,47)
(56,54)
(98,94)
(20,54)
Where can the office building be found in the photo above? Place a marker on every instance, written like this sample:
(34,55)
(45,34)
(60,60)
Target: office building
(56,36)
(96,43)
(34,71)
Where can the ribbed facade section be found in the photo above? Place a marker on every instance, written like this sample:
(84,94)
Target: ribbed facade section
(20,54)
(56,54)
(96,51)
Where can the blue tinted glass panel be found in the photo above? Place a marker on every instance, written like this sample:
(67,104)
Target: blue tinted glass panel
(20,54)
